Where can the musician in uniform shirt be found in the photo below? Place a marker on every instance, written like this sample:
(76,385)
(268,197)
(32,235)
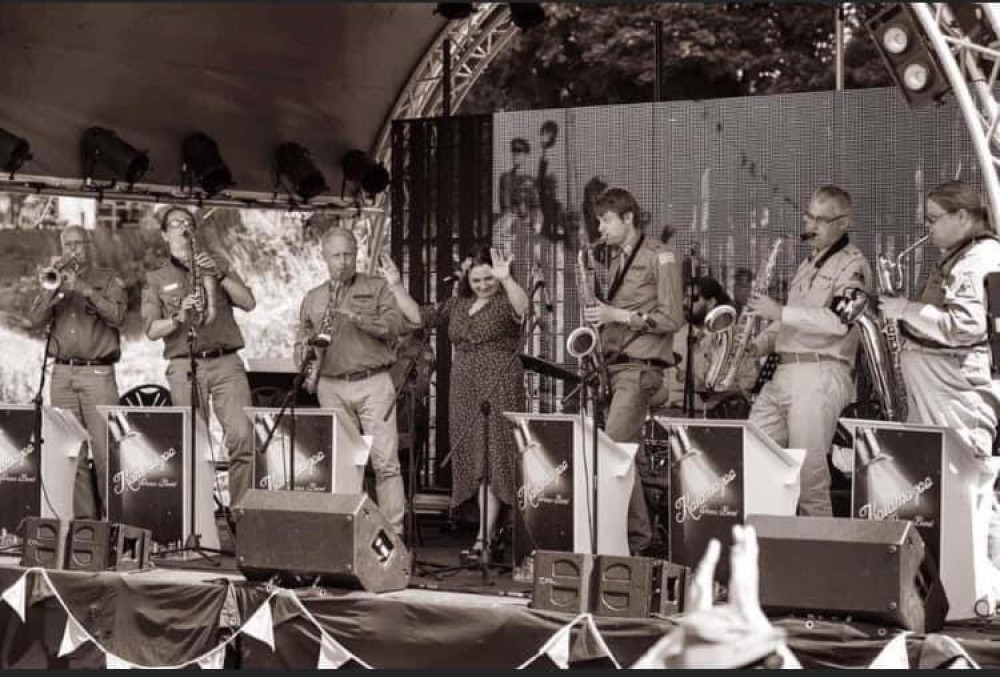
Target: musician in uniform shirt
(800,406)
(644,308)
(354,374)
(169,307)
(945,355)
(87,311)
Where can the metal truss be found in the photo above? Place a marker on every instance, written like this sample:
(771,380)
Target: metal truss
(475,41)
(972,69)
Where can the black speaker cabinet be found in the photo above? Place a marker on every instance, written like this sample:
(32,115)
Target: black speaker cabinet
(992,283)
(671,585)
(870,570)
(562,581)
(624,586)
(132,547)
(89,545)
(44,542)
(299,537)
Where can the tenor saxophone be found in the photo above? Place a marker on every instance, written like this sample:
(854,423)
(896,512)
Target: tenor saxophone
(880,335)
(321,341)
(202,286)
(584,342)
(730,339)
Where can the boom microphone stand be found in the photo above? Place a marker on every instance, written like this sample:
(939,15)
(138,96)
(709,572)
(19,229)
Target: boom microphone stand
(688,402)
(288,404)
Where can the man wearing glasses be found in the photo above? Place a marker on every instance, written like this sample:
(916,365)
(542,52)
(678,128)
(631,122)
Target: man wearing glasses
(86,307)
(800,406)
(168,305)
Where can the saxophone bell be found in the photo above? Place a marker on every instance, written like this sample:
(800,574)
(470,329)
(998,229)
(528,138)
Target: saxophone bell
(720,318)
(581,342)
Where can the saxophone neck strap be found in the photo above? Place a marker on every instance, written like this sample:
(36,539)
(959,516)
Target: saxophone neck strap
(620,277)
(834,248)
(180,264)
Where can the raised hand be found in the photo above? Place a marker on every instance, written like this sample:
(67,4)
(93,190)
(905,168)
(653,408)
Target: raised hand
(744,577)
(389,270)
(701,592)
(501,264)
(206,263)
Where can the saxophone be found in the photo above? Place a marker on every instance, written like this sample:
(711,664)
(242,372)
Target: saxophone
(321,341)
(202,286)
(731,337)
(584,342)
(880,335)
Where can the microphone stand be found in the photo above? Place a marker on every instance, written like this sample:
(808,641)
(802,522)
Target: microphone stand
(288,404)
(688,402)
(417,567)
(586,390)
(485,555)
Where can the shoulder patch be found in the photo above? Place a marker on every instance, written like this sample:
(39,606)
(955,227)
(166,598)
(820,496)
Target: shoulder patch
(665,257)
(965,286)
(117,280)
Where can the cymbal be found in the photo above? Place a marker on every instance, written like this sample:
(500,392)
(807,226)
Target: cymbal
(546,368)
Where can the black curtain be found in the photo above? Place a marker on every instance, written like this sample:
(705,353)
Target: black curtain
(442,200)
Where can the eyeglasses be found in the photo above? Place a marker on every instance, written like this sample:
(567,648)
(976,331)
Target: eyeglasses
(931,220)
(179,223)
(808,216)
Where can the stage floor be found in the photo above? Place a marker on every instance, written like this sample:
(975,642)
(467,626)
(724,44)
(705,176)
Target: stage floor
(170,616)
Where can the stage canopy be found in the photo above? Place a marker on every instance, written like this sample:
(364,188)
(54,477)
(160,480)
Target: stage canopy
(249,74)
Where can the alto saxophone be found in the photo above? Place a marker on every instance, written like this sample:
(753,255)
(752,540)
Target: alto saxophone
(731,338)
(584,342)
(880,335)
(202,286)
(321,341)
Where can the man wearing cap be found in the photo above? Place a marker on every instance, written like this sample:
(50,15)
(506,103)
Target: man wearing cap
(520,212)
(354,373)
(169,309)
(85,311)
(800,406)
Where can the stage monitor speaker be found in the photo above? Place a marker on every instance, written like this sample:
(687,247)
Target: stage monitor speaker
(302,537)
(44,542)
(992,283)
(870,570)
(562,581)
(624,586)
(89,545)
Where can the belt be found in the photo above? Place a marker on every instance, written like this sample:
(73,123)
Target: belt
(215,352)
(74,362)
(789,358)
(655,362)
(360,375)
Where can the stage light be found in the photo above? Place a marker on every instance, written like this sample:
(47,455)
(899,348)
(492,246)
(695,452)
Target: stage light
(204,164)
(102,149)
(14,152)
(906,52)
(293,162)
(454,10)
(375,179)
(353,164)
(526,15)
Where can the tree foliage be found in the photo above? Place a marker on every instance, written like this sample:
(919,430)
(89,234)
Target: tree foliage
(601,53)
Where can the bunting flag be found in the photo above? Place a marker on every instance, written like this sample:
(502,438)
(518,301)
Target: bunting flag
(259,626)
(331,653)
(113,662)
(213,660)
(73,636)
(14,596)
(557,647)
(893,656)
(937,651)
(599,638)
(788,659)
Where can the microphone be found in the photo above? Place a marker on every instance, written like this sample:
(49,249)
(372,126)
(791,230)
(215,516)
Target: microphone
(546,301)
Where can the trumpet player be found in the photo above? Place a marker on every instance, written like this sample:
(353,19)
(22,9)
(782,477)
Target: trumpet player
(643,310)
(361,318)
(86,307)
(171,305)
(945,357)
(800,406)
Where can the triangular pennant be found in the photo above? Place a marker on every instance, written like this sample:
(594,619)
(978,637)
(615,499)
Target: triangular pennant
(893,656)
(332,654)
(113,662)
(213,660)
(788,660)
(259,626)
(14,596)
(229,615)
(602,649)
(939,651)
(557,648)
(73,636)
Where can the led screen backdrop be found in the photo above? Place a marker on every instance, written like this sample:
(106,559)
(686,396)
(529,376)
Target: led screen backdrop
(729,175)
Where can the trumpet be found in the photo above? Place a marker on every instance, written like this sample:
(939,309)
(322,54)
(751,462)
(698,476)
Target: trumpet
(51,277)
